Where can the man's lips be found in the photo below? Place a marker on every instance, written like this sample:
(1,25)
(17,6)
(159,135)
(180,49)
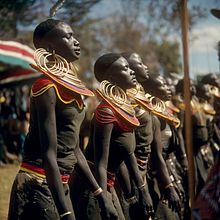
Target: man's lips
(77,51)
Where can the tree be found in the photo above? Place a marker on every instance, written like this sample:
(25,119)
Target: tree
(167,53)
(137,25)
(12,13)
(146,27)
(20,16)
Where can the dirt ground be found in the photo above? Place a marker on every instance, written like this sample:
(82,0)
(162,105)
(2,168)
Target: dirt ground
(7,175)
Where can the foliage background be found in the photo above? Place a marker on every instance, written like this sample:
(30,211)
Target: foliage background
(144,26)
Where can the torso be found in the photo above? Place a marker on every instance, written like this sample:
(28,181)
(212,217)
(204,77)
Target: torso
(166,134)
(200,131)
(122,143)
(144,135)
(68,120)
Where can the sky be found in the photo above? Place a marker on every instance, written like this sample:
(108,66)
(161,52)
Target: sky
(203,50)
(204,37)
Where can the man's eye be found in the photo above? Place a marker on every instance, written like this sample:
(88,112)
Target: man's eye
(68,36)
(126,67)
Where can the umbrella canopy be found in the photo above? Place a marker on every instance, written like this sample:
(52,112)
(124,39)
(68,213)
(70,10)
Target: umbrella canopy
(14,63)
(216,12)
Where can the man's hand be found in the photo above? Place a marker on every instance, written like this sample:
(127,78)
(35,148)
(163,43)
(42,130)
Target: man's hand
(145,202)
(171,196)
(184,165)
(108,211)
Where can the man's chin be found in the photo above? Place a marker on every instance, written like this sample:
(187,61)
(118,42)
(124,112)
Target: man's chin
(143,79)
(72,59)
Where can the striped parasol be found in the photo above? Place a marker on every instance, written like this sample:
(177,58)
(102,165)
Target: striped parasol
(15,60)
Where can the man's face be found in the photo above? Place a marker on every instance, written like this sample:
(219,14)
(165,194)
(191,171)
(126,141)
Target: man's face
(136,64)
(61,39)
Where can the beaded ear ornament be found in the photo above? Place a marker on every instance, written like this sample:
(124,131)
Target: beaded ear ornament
(208,109)
(58,69)
(160,109)
(117,99)
(117,96)
(152,104)
(140,97)
(172,107)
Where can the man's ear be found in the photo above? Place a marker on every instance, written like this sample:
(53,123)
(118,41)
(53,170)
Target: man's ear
(108,75)
(49,47)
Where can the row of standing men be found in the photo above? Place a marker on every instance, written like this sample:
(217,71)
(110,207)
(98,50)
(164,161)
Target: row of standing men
(135,163)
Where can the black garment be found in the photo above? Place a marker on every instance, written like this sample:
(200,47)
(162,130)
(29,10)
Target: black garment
(122,143)
(200,131)
(29,193)
(200,135)
(32,199)
(163,212)
(200,139)
(86,206)
(68,120)
(144,136)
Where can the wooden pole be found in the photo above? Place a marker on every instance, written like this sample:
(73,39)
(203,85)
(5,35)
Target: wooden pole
(187,98)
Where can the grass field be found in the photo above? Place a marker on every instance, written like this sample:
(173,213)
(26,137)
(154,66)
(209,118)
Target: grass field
(7,175)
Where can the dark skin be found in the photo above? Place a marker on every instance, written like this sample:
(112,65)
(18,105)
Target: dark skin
(179,91)
(200,136)
(62,41)
(204,96)
(121,75)
(47,129)
(171,85)
(202,92)
(163,92)
(180,152)
(196,118)
(136,64)
(212,79)
(216,127)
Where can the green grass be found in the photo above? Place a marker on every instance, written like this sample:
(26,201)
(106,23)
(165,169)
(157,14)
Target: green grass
(7,175)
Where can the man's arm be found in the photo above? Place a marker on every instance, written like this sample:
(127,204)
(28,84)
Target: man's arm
(45,106)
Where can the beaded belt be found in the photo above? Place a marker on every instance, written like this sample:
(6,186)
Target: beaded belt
(110,176)
(40,172)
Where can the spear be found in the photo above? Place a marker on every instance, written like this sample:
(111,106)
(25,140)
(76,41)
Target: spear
(187,98)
